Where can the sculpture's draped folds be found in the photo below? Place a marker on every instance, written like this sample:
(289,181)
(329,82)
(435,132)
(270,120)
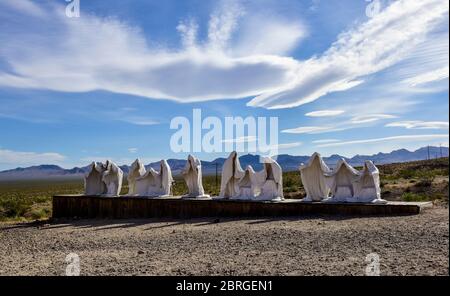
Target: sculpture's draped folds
(343,179)
(342,184)
(192,174)
(156,184)
(112,178)
(314,178)
(93,184)
(367,187)
(236,183)
(232,173)
(137,170)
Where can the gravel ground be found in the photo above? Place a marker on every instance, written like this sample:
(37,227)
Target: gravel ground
(314,245)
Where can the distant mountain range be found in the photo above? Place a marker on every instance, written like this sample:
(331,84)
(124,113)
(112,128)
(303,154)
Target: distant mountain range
(287,162)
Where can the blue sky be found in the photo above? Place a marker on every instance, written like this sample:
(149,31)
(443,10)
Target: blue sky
(107,84)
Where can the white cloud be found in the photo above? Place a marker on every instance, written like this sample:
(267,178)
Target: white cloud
(415,124)
(355,122)
(286,146)
(324,141)
(25,7)
(375,45)
(245,139)
(313,129)
(431,76)
(406,138)
(245,54)
(133,150)
(426,66)
(268,36)
(223,23)
(371,118)
(188,31)
(138,120)
(91,53)
(324,113)
(118,160)
(19,158)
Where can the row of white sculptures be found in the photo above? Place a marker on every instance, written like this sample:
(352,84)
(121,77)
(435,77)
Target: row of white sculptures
(342,184)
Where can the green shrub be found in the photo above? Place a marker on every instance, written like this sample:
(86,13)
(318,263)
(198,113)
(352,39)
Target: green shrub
(409,196)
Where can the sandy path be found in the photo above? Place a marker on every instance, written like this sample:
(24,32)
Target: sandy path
(316,245)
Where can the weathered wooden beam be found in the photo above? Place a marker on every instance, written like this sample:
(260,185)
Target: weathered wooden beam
(174,207)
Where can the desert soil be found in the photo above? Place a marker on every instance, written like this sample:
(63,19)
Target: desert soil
(314,245)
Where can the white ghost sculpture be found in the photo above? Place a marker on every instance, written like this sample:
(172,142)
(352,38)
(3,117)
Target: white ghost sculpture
(232,172)
(137,170)
(192,174)
(272,186)
(154,183)
(166,178)
(93,184)
(314,179)
(248,186)
(112,178)
(343,178)
(367,187)
(266,184)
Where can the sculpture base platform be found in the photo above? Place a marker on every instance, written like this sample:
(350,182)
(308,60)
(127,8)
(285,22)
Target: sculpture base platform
(81,206)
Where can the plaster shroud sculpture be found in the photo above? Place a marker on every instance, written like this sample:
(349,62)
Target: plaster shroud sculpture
(232,173)
(93,184)
(272,186)
(112,177)
(343,179)
(192,174)
(266,184)
(248,187)
(153,183)
(367,187)
(314,178)
(137,170)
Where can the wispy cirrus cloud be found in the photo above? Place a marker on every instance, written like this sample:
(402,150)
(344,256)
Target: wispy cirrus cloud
(21,158)
(324,113)
(25,7)
(245,54)
(138,120)
(133,150)
(371,118)
(354,122)
(118,160)
(244,139)
(416,124)
(405,138)
(427,77)
(314,129)
(375,45)
(325,141)
(286,146)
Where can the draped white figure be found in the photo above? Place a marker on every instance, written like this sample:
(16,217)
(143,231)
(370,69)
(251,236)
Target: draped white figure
(232,172)
(93,184)
(192,174)
(154,183)
(314,178)
(166,178)
(266,184)
(137,170)
(112,178)
(272,186)
(367,187)
(248,186)
(343,178)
